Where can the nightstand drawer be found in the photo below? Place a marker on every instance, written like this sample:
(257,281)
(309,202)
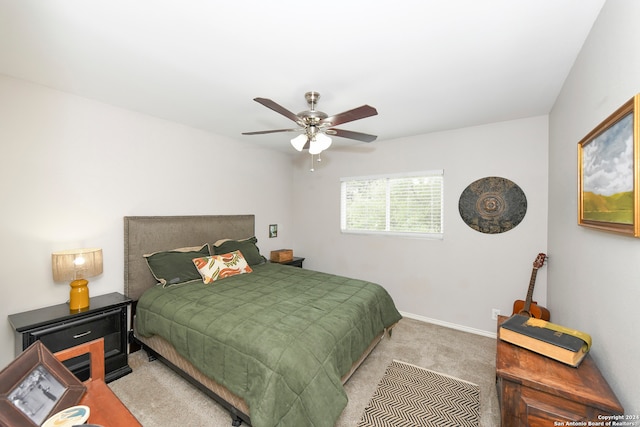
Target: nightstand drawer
(70,334)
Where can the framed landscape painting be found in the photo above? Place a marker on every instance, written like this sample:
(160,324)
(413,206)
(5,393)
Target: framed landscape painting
(608,173)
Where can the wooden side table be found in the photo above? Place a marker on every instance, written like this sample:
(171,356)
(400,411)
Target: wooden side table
(104,406)
(534,390)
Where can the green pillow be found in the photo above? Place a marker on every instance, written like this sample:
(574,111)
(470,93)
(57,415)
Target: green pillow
(247,246)
(176,266)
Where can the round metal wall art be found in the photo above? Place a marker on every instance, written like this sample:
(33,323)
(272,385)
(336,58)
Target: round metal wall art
(492,205)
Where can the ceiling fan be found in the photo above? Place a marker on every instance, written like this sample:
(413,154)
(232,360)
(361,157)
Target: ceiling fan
(316,125)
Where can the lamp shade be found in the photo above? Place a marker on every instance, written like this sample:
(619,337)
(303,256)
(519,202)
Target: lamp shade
(76,264)
(299,141)
(319,143)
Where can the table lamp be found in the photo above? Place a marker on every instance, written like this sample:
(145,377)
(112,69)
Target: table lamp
(76,265)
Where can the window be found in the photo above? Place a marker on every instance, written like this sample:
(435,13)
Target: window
(400,204)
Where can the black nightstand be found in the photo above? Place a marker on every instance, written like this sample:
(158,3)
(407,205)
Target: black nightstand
(58,329)
(296,262)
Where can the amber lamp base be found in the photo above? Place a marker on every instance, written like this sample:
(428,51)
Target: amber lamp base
(79,296)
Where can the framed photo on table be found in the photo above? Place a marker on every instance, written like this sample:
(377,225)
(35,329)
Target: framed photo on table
(34,386)
(608,162)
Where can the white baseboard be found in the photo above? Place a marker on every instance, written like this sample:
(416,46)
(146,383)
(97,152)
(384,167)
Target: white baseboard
(449,325)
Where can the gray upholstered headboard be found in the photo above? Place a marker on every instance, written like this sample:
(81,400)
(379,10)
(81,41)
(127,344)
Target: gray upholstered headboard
(148,234)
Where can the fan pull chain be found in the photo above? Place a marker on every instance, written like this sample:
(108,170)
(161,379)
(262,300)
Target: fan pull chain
(319,159)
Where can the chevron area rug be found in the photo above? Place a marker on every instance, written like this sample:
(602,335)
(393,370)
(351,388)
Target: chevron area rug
(410,396)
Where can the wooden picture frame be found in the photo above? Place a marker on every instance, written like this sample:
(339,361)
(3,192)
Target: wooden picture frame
(608,186)
(35,386)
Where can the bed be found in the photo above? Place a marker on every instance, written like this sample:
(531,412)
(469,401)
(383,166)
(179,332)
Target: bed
(274,346)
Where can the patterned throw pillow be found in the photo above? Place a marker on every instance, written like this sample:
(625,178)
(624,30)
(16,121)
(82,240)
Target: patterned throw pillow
(217,267)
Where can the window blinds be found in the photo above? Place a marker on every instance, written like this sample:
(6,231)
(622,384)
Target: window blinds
(393,204)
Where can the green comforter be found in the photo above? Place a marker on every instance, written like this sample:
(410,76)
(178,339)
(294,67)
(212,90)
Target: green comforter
(280,337)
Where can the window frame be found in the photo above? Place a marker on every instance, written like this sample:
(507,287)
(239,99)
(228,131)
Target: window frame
(387,231)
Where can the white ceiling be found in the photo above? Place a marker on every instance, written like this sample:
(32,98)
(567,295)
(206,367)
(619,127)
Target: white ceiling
(426,65)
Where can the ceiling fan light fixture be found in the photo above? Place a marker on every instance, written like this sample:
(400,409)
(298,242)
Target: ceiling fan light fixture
(320,143)
(314,148)
(299,142)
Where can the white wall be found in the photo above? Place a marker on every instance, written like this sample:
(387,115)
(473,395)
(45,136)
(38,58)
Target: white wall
(594,277)
(71,168)
(457,280)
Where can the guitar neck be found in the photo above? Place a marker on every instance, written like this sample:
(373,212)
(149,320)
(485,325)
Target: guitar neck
(532,283)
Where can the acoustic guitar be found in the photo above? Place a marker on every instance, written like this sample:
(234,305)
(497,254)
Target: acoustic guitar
(528,307)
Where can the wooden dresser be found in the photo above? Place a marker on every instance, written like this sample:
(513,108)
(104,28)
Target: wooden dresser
(534,390)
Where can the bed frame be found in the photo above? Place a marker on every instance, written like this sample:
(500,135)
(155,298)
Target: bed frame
(148,234)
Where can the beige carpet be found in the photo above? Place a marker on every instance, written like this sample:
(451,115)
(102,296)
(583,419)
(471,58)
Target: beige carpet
(160,398)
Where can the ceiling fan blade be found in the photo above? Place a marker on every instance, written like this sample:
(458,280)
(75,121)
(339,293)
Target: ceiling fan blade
(351,115)
(260,132)
(278,109)
(364,137)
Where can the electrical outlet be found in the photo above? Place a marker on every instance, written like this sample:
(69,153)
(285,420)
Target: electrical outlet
(495,312)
